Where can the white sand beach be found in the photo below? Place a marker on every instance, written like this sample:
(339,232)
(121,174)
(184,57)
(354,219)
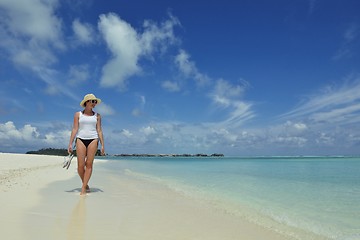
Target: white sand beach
(40,200)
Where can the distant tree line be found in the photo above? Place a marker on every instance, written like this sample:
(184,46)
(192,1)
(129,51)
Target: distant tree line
(56,152)
(50,151)
(169,155)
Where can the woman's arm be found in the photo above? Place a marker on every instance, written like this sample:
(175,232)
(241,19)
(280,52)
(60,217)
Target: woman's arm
(73,132)
(100,133)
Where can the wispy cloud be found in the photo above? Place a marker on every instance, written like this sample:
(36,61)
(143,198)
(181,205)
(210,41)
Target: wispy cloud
(349,37)
(171,86)
(78,74)
(228,96)
(189,70)
(333,104)
(312,6)
(33,20)
(84,33)
(105,110)
(31,34)
(139,109)
(314,127)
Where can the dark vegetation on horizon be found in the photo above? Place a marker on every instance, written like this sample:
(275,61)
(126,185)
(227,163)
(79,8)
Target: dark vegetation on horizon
(56,152)
(63,152)
(169,155)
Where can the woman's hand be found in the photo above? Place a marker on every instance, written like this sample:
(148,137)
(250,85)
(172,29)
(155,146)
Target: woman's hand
(102,151)
(70,149)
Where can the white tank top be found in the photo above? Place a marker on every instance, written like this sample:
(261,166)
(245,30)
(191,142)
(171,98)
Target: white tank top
(87,126)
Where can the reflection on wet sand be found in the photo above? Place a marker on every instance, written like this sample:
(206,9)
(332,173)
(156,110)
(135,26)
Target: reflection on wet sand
(76,229)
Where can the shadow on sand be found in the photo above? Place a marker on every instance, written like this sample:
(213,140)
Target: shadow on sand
(92,190)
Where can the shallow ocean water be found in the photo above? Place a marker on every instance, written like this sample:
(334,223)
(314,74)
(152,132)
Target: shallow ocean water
(304,197)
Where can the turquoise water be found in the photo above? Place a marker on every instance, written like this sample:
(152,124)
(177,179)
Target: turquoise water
(306,198)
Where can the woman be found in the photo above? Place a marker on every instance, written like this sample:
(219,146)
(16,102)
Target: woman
(88,132)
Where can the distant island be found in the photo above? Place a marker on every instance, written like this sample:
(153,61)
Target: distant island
(56,152)
(169,155)
(50,151)
(63,152)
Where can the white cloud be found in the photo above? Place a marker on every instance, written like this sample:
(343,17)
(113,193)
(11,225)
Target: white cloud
(29,137)
(241,113)
(290,141)
(300,126)
(142,100)
(54,138)
(31,34)
(105,109)
(345,114)
(127,46)
(171,86)
(8,130)
(136,112)
(225,134)
(126,133)
(287,130)
(52,90)
(28,31)
(157,37)
(33,19)
(84,33)
(179,137)
(28,132)
(224,92)
(325,138)
(35,57)
(122,41)
(224,88)
(292,138)
(189,69)
(148,130)
(78,74)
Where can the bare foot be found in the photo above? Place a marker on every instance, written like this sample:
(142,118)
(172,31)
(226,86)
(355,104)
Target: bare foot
(84,190)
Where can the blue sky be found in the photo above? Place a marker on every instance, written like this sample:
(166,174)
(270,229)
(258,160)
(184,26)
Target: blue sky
(235,77)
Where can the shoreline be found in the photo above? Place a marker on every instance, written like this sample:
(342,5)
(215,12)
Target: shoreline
(118,206)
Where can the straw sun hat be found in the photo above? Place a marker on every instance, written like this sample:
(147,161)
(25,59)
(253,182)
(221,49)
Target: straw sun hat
(88,97)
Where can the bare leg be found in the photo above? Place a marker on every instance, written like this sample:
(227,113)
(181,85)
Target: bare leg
(90,155)
(81,157)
